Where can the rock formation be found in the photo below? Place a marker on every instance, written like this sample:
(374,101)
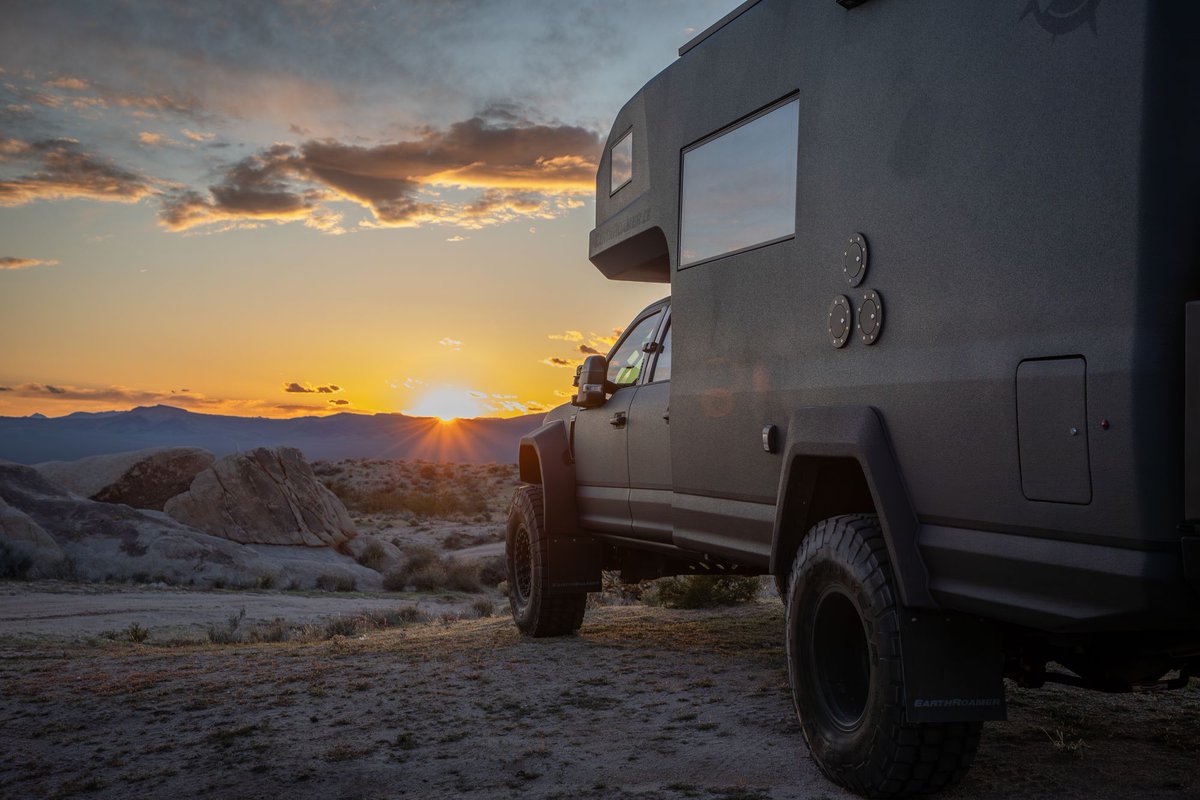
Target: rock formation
(141,478)
(264,496)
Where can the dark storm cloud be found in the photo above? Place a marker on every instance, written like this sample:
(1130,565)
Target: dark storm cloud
(61,170)
(519,169)
(588,350)
(555,361)
(340,402)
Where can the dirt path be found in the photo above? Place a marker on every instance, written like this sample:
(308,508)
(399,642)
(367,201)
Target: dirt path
(644,703)
(80,611)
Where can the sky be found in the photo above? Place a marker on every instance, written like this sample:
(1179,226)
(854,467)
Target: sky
(310,207)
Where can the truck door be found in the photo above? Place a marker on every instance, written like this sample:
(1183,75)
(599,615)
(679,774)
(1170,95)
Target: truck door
(650,448)
(600,435)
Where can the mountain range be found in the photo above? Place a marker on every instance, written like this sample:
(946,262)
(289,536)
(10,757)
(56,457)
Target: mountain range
(33,439)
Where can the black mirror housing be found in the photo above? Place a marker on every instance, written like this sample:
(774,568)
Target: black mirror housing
(591,379)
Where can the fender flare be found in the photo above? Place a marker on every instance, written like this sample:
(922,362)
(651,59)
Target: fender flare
(545,458)
(856,432)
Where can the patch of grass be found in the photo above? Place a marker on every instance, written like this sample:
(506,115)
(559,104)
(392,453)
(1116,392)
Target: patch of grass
(704,591)
(226,737)
(343,751)
(336,583)
(228,634)
(1065,745)
(483,607)
(136,633)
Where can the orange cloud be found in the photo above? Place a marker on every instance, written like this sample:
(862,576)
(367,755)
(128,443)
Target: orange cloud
(62,170)
(11,262)
(522,170)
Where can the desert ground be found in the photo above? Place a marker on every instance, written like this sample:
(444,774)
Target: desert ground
(645,702)
(132,689)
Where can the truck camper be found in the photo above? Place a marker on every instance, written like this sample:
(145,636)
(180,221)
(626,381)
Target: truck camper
(930,358)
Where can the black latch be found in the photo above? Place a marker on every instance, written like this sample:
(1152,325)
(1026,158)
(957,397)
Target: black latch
(850,3)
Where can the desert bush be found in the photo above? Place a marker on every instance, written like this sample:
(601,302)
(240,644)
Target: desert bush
(13,563)
(372,556)
(492,571)
(483,607)
(462,576)
(342,626)
(704,591)
(266,582)
(395,581)
(336,583)
(428,577)
(277,630)
(615,592)
(136,633)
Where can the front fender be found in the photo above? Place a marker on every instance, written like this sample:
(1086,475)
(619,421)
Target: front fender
(545,458)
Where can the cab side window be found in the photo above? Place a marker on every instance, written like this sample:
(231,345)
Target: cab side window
(625,364)
(662,367)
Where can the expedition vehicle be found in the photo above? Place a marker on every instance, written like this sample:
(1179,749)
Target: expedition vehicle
(931,358)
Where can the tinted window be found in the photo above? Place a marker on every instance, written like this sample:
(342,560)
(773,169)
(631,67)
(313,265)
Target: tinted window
(739,189)
(662,367)
(626,363)
(621,163)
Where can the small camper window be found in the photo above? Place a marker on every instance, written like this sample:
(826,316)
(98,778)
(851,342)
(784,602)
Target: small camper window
(620,163)
(738,189)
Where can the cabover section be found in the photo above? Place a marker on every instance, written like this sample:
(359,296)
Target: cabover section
(1008,207)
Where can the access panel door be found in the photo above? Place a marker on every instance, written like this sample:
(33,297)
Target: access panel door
(1052,430)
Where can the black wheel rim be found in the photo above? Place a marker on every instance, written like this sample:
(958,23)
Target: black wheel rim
(522,566)
(839,659)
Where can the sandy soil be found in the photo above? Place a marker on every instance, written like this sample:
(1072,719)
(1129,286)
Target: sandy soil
(644,703)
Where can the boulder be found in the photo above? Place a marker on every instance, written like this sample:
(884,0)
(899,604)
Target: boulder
(25,549)
(264,496)
(140,478)
(106,541)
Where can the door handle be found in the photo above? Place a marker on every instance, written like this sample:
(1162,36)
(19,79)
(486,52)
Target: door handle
(617,420)
(667,415)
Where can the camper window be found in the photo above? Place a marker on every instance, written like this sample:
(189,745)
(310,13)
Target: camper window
(738,188)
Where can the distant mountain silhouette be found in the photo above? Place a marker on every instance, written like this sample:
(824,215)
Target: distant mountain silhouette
(29,440)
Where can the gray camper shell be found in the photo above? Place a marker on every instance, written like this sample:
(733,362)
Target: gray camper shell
(931,358)
(1029,204)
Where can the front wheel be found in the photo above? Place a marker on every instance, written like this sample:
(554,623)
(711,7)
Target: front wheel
(843,648)
(526,550)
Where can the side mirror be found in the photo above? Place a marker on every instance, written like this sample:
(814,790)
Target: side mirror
(591,378)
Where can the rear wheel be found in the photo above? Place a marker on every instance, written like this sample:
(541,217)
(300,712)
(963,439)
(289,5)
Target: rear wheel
(843,646)
(526,549)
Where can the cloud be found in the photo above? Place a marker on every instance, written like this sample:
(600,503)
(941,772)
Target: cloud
(73,84)
(340,402)
(588,350)
(12,262)
(62,170)
(196,136)
(297,388)
(555,361)
(451,344)
(511,169)
(123,396)
(456,238)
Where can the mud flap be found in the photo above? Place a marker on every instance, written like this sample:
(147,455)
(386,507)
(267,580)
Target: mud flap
(953,668)
(573,565)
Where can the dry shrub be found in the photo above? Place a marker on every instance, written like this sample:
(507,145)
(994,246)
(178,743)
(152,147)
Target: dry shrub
(372,556)
(428,577)
(462,576)
(704,591)
(483,607)
(336,583)
(493,571)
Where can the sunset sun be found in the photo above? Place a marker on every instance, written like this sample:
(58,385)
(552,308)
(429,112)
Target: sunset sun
(446,404)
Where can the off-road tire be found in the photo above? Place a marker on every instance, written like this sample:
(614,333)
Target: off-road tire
(525,554)
(849,693)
